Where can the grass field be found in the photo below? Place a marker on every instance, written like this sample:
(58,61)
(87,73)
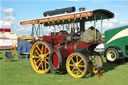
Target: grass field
(20,72)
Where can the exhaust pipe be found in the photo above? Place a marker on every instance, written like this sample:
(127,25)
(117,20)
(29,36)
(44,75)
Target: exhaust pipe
(59,11)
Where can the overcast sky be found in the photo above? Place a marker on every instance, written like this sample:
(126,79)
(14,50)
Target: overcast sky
(14,11)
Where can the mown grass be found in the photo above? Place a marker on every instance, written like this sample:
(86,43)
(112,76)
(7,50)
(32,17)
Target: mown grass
(20,72)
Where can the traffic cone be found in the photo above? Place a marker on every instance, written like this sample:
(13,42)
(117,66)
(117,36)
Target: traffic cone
(14,48)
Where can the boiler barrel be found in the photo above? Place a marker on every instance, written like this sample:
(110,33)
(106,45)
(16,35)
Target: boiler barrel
(77,47)
(59,11)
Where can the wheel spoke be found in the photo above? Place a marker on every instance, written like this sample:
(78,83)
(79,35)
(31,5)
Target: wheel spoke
(37,52)
(77,59)
(34,61)
(37,60)
(46,57)
(73,69)
(77,72)
(45,49)
(42,66)
(73,61)
(71,64)
(42,48)
(39,65)
(46,61)
(81,66)
(47,53)
(45,65)
(39,49)
(35,57)
(80,70)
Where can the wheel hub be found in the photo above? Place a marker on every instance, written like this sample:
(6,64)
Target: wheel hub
(42,57)
(112,55)
(76,65)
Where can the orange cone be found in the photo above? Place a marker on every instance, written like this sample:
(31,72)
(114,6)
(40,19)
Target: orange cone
(15,47)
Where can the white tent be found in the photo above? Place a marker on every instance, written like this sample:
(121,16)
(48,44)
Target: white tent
(5,43)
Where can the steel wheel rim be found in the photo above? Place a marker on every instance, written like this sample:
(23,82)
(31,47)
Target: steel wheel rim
(39,57)
(76,68)
(111,55)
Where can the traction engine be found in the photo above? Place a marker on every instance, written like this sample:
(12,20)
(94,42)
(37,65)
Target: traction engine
(61,50)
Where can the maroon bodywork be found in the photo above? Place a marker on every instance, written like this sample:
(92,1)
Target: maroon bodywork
(59,43)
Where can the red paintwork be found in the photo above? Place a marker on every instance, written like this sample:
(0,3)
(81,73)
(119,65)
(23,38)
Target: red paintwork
(58,18)
(6,47)
(55,39)
(4,38)
(82,45)
(46,38)
(59,41)
(55,60)
(64,52)
(5,30)
(71,47)
(85,45)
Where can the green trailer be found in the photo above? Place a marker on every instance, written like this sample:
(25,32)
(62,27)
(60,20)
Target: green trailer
(116,43)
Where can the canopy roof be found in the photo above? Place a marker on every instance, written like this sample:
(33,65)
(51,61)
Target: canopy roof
(69,17)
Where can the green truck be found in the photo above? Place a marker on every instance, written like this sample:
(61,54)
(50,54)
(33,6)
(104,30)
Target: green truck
(116,43)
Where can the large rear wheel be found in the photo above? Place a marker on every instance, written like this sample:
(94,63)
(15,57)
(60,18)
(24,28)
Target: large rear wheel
(40,52)
(77,65)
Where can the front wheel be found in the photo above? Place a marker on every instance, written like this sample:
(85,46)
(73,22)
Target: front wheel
(40,52)
(77,65)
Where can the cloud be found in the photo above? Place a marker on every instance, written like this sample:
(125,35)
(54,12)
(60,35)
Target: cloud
(20,29)
(107,24)
(23,28)
(1,23)
(8,19)
(27,30)
(8,11)
(114,23)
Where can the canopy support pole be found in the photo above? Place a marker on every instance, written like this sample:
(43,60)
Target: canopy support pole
(95,25)
(54,29)
(41,29)
(32,34)
(74,26)
(63,26)
(38,30)
(102,27)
